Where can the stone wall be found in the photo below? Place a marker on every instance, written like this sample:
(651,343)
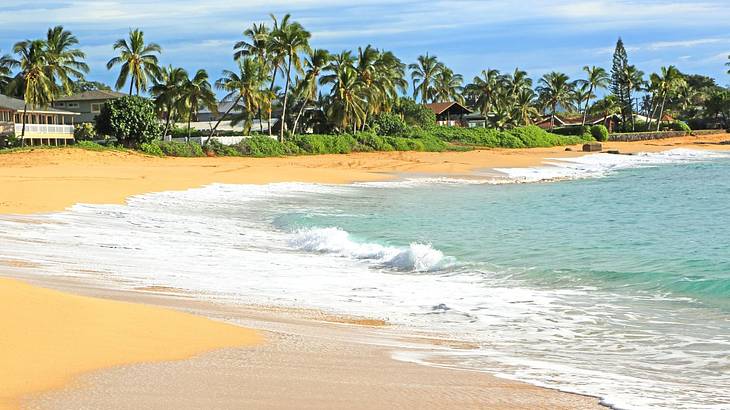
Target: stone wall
(645,136)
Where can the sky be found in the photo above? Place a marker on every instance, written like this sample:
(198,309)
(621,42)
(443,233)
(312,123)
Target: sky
(467,35)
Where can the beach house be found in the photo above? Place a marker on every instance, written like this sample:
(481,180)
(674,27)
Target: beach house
(562,121)
(42,125)
(449,113)
(87,104)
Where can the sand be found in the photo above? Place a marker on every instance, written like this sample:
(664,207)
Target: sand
(49,339)
(46,180)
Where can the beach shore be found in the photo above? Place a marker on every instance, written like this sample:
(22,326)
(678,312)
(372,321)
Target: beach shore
(68,343)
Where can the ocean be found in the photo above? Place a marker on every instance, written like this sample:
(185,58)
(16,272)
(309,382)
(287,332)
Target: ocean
(606,275)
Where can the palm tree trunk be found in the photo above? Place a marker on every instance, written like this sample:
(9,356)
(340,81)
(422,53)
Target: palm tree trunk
(588,100)
(286,99)
(228,111)
(552,117)
(661,113)
(299,115)
(190,116)
(22,132)
(131,85)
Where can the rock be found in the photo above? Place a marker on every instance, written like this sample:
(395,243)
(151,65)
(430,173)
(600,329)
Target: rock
(613,151)
(593,147)
(569,149)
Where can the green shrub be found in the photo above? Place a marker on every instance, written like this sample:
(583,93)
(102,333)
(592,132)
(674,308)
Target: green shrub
(261,146)
(414,114)
(679,126)
(131,120)
(325,144)
(151,148)
(89,145)
(84,132)
(373,142)
(599,132)
(180,149)
(389,124)
(221,150)
(182,132)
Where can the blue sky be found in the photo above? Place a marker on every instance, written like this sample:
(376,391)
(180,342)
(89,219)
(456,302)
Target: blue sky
(538,36)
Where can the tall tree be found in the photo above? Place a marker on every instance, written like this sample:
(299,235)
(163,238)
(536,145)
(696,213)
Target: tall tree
(33,81)
(136,59)
(483,91)
(668,81)
(634,82)
(597,78)
(556,90)
(65,62)
(166,91)
(196,93)
(447,86)
(313,65)
(618,77)
(293,39)
(423,74)
(7,63)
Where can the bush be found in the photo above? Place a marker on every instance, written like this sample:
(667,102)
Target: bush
(414,114)
(89,145)
(151,148)
(84,132)
(679,126)
(182,132)
(325,144)
(131,120)
(180,149)
(599,132)
(579,131)
(372,142)
(389,124)
(261,146)
(221,150)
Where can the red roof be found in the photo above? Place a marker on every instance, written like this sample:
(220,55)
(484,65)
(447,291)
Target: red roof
(439,108)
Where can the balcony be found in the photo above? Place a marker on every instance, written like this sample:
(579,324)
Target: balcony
(45,131)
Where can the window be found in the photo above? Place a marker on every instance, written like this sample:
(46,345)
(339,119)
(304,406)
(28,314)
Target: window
(95,108)
(73,105)
(60,104)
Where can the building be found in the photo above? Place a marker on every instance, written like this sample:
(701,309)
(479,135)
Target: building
(42,125)
(88,104)
(449,113)
(561,121)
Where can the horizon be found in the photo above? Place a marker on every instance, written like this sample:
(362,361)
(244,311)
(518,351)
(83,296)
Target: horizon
(564,36)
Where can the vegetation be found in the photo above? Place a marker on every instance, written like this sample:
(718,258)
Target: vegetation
(599,132)
(131,120)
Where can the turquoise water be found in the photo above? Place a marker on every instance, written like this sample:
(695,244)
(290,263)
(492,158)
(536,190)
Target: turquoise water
(613,283)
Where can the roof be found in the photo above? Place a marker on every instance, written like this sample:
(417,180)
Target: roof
(440,108)
(92,95)
(571,121)
(223,107)
(19,105)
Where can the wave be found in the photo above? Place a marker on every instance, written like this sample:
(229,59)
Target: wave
(599,165)
(417,257)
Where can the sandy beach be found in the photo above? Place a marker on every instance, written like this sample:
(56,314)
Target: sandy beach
(83,346)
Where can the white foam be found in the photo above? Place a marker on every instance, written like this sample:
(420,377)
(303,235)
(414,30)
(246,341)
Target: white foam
(417,257)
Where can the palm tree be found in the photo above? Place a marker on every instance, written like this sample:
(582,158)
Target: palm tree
(556,90)
(483,90)
(33,80)
(447,86)
(196,93)
(293,39)
(244,86)
(314,64)
(597,78)
(525,106)
(668,82)
(256,45)
(166,90)
(634,82)
(728,64)
(136,58)
(7,63)
(64,61)
(423,74)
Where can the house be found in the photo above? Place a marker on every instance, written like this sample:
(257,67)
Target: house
(206,115)
(88,104)
(42,125)
(449,113)
(547,122)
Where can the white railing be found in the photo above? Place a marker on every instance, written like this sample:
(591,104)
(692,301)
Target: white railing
(45,129)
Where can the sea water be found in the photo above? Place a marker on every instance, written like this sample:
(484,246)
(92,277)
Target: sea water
(606,275)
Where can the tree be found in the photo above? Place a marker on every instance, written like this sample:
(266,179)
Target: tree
(447,86)
(131,120)
(618,76)
(634,82)
(483,91)
(314,64)
(136,59)
(65,62)
(196,93)
(245,87)
(423,74)
(668,81)
(7,63)
(34,81)
(556,90)
(293,39)
(525,106)
(597,78)
(728,64)
(166,91)
(82,85)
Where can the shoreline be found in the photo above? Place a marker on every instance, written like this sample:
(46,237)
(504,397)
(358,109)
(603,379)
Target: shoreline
(112,177)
